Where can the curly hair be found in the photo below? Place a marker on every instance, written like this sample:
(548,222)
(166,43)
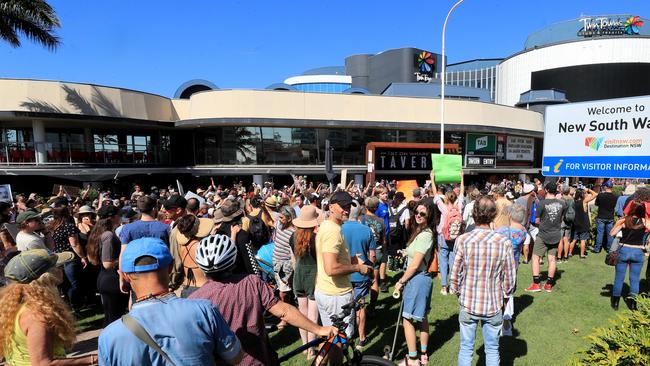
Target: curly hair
(303,238)
(41,297)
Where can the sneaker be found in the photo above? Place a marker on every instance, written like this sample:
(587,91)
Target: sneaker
(383,287)
(424,359)
(541,262)
(506,330)
(548,287)
(362,343)
(534,288)
(444,291)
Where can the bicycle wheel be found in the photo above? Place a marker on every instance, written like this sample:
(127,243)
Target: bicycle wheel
(369,360)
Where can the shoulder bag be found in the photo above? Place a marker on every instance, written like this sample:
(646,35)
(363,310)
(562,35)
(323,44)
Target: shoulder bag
(134,326)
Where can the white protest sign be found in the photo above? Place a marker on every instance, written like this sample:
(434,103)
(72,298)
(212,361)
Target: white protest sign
(191,194)
(520,148)
(605,138)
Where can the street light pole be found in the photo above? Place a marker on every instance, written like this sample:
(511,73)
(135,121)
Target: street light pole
(442,81)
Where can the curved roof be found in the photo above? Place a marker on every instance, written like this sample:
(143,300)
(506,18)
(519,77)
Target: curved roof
(193,86)
(281,86)
(326,70)
(568,30)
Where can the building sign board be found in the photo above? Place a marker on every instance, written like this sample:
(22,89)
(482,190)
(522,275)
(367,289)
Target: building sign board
(605,138)
(402,159)
(520,148)
(480,150)
(425,64)
(610,26)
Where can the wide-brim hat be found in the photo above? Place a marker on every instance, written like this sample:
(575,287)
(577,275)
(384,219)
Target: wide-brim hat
(231,209)
(29,265)
(528,188)
(86,210)
(271,202)
(629,190)
(308,218)
(202,228)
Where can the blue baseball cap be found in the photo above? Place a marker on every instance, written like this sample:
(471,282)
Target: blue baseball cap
(143,247)
(608,184)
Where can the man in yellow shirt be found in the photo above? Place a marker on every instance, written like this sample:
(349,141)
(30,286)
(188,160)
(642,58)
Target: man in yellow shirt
(333,286)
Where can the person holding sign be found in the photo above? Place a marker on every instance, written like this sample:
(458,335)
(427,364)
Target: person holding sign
(450,226)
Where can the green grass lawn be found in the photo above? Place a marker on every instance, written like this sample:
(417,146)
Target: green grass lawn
(548,328)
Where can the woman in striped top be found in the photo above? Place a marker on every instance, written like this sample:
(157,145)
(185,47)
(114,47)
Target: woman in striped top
(283,258)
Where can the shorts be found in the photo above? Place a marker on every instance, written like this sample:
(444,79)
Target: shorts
(379,257)
(582,236)
(329,306)
(533,231)
(566,231)
(283,271)
(417,297)
(541,249)
(304,281)
(361,289)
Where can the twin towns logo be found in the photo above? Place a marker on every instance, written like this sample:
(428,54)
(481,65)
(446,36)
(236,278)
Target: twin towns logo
(425,62)
(596,143)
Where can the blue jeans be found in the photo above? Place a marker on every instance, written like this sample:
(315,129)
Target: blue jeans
(491,326)
(603,227)
(634,258)
(445,259)
(72,271)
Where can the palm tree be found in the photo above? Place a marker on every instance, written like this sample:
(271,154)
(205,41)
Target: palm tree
(33,19)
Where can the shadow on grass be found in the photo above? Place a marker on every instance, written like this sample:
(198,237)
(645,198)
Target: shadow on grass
(510,348)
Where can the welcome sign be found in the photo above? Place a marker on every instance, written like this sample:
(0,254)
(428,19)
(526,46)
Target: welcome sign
(606,138)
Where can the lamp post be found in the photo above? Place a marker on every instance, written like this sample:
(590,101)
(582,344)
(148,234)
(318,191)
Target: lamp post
(442,81)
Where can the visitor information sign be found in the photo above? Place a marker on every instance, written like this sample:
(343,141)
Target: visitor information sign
(605,138)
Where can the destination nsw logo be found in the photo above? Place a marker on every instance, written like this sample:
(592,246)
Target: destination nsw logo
(596,143)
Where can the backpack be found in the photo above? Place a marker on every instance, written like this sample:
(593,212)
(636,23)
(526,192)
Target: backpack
(396,229)
(453,223)
(260,233)
(570,214)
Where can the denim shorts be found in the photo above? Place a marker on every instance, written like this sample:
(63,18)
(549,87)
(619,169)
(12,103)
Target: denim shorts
(361,289)
(417,297)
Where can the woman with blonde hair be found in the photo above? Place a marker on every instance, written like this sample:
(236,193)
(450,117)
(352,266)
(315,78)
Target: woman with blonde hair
(35,324)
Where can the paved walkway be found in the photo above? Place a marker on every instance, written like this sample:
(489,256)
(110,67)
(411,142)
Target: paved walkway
(86,343)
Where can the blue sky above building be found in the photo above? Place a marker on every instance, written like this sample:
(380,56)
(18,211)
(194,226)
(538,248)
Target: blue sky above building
(155,46)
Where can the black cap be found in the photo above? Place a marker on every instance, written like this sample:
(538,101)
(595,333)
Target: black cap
(108,210)
(342,198)
(175,201)
(60,202)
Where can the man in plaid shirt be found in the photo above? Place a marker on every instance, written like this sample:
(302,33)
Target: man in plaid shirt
(483,274)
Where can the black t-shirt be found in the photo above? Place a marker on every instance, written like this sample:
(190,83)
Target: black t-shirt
(606,202)
(551,215)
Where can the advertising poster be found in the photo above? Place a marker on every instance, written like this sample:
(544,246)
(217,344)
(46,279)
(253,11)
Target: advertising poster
(407,187)
(606,138)
(520,148)
(5,193)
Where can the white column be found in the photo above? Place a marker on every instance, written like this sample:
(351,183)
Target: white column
(38,130)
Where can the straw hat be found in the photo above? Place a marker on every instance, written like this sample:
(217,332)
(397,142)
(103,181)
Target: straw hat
(202,228)
(271,202)
(308,218)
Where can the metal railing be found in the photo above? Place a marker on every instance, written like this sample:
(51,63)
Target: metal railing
(54,153)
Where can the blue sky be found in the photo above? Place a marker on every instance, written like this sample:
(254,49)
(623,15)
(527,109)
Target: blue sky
(155,46)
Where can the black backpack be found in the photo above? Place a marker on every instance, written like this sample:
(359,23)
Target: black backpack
(259,232)
(396,231)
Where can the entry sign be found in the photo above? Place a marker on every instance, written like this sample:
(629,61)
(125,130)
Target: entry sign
(605,138)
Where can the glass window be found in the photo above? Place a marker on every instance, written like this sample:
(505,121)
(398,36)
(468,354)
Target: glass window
(105,142)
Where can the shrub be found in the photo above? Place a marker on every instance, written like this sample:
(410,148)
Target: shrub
(626,342)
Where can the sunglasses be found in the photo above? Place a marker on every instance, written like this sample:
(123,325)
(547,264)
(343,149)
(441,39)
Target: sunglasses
(422,214)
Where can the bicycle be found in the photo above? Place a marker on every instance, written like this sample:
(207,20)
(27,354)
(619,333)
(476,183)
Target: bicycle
(338,321)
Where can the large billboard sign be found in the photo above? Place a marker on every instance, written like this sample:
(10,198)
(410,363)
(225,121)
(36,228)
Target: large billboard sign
(605,138)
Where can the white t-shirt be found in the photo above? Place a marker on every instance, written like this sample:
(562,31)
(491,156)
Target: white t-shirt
(28,241)
(405,215)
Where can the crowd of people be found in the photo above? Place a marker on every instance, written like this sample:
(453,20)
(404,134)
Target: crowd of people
(192,278)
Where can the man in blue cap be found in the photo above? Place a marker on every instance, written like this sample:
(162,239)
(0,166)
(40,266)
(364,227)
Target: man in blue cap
(162,329)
